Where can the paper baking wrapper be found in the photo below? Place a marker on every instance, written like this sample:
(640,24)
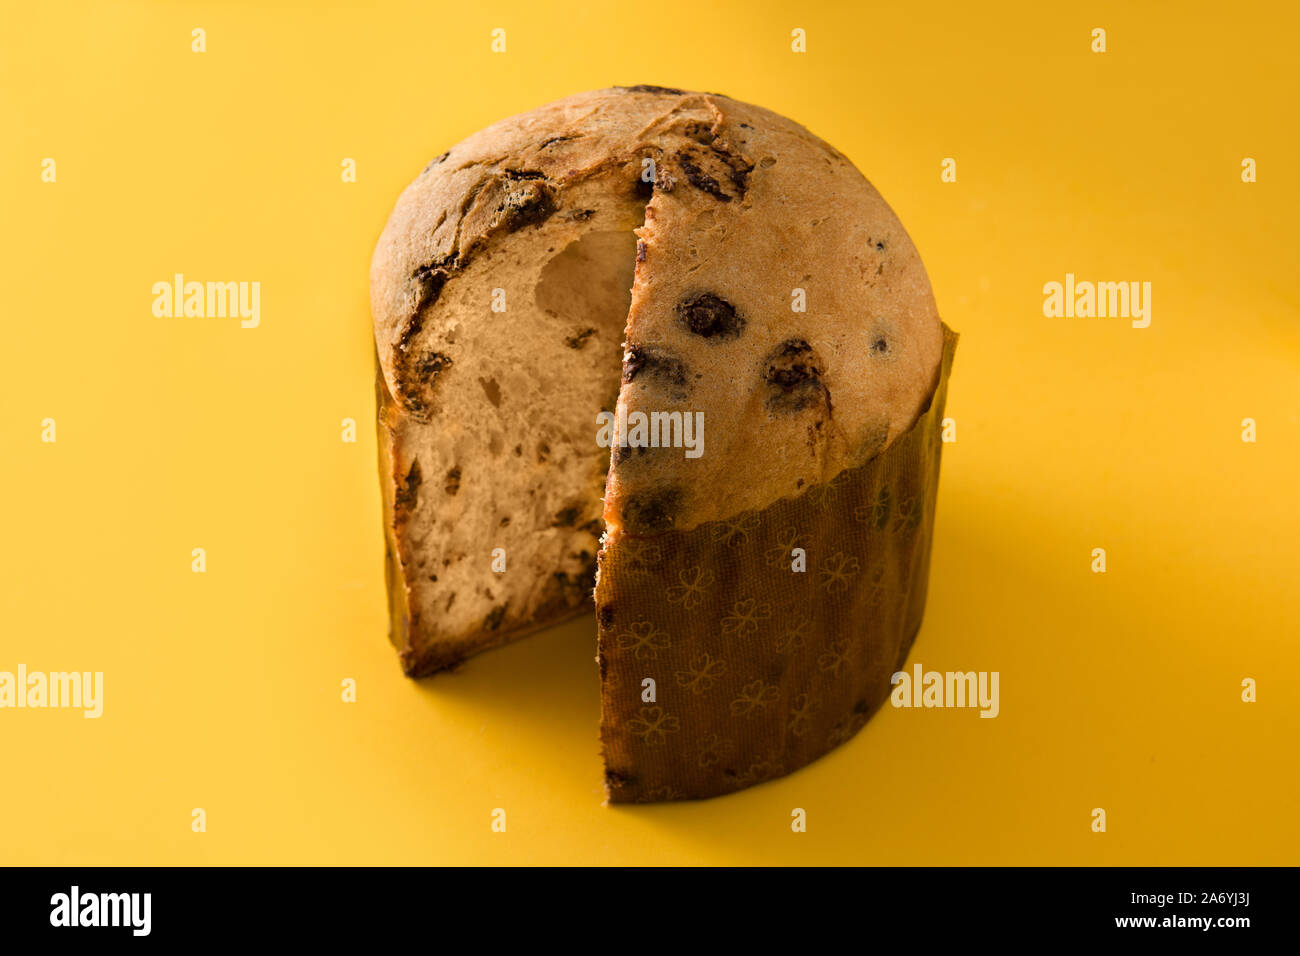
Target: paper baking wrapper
(759,669)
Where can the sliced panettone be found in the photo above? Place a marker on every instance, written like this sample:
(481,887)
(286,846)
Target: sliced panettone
(488,417)
(648,252)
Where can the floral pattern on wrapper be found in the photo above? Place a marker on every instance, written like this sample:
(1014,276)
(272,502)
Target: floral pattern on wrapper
(758,669)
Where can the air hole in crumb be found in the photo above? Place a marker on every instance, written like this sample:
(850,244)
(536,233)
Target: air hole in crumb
(492,390)
(589,281)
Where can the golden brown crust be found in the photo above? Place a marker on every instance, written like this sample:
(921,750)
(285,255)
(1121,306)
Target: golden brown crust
(791,303)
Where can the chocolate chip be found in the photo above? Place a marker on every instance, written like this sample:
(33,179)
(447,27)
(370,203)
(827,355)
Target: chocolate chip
(431,365)
(710,316)
(880,246)
(524,198)
(716,170)
(428,281)
(653,511)
(638,450)
(605,615)
(740,176)
(416,373)
(633,362)
(640,250)
(453,481)
(437,160)
(794,377)
(528,200)
(566,518)
(880,345)
(493,620)
(648,88)
(700,133)
(697,177)
(579,340)
(414,326)
(409,492)
(656,363)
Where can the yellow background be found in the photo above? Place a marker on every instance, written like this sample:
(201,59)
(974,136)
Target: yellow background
(222,690)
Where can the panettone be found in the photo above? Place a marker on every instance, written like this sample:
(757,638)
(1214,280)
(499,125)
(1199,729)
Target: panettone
(684,259)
